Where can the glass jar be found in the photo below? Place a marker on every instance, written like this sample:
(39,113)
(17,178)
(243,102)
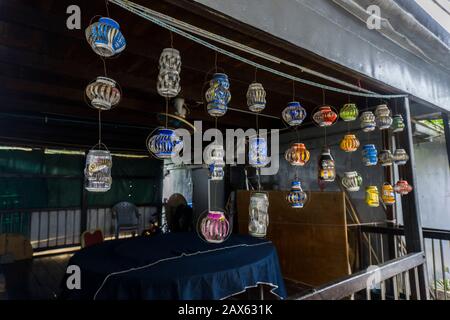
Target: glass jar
(97,173)
(297,155)
(258,214)
(218,95)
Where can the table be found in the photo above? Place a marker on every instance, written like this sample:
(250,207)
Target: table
(175,266)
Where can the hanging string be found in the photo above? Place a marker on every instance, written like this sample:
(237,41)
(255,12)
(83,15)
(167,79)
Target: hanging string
(215,61)
(171,39)
(293,90)
(104,66)
(325,128)
(257,124)
(99,128)
(107,8)
(167,111)
(256,71)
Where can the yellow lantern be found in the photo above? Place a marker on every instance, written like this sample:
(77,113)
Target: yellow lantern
(387,194)
(372,197)
(350,143)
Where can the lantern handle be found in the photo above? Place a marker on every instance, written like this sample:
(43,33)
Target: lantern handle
(100,144)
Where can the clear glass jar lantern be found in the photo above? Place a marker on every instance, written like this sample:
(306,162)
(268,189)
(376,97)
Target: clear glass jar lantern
(296,198)
(383,117)
(164,143)
(105,37)
(349,143)
(370,155)
(349,112)
(327,169)
(403,188)
(218,95)
(257,153)
(385,158)
(325,117)
(103,93)
(168,84)
(258,214)
(352,181)
(256,97)
(215,227)
(97,173)
(387,194)
(400,157)
(294,114)
(368,123)
(297,155)
(372,197)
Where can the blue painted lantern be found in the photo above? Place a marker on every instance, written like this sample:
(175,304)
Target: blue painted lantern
(370,155)
(164,143)
(294,114)
(296,197)
(218,95)
(105,37)
(257,154)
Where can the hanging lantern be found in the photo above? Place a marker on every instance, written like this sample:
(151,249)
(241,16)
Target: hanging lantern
(256,97)
(257,154)
(352,181)
(368,123)
(385,158)
(296,197)
(105,37)
(370,155)
(103,93)
(168,84)
(398,125)
(294,114)
(383,117)
(402,187)
(372,196)
(97,173)
(215,227)
(164,143)
(387,194)
(214,157)
(258,214)
(349,112)
(349,143)
(218,95)
(325,117)
(297,155)
(327,170)
(400,157)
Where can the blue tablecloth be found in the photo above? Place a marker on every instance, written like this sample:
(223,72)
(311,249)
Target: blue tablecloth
(175,266)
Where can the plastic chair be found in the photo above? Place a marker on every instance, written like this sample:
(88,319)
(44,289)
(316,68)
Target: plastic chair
(126,215)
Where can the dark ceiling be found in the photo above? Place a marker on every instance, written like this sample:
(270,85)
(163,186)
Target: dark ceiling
(44,68)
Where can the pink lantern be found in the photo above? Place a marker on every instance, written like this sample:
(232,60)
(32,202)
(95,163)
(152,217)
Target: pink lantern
(215,227)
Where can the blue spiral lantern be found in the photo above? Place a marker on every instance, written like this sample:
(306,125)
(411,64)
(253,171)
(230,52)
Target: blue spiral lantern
(257,154)
(218,95)
(294,114)
(164,143)
(296,198)
(370,155)
(105,37)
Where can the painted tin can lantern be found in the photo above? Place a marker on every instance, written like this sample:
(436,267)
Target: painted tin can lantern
(325,117)
(368,123)
(327,169)
(164,143)
(350,143)
(387,194)
(383,117)
(168,84)
(296,198)
(402,187)
(257,153)
(103,93)
(352,181)
(349,112)
(214,157)
(370,155)
(385,158)
(97,173)
(256,97)
(297,155)
(215,227)
(400,157)
(372,196)
(258,214)
(398,124)
(218,95)
(105,37)
(294,114)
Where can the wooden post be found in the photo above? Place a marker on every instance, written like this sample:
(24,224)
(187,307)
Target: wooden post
(411,211)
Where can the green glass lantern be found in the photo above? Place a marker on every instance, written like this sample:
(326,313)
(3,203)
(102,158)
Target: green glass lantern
(398,124)
(349,112)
